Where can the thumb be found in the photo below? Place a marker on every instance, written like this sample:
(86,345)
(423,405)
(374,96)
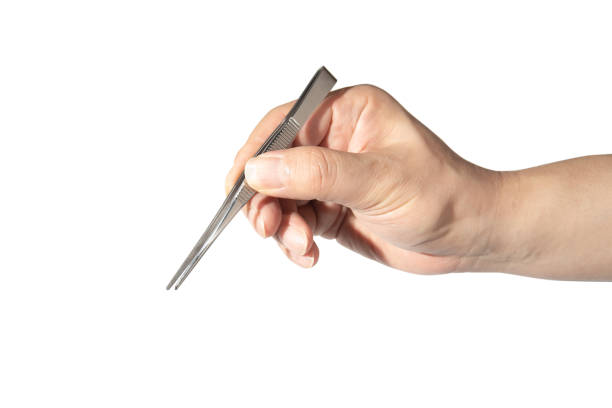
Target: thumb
(316,173)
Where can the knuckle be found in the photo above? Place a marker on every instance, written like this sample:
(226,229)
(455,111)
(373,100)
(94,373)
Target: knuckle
(368,88)
(375,97)
(271,113)
(322,171)
(239,157)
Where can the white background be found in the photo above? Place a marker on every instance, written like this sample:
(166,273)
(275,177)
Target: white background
(118,123)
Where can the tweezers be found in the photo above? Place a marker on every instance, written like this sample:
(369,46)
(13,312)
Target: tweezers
(281,138)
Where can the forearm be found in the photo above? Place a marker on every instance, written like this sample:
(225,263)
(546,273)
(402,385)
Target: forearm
(553,221)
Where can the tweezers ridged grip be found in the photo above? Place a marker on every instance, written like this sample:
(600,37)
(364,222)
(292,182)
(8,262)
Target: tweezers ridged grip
(282,137)
(246,193)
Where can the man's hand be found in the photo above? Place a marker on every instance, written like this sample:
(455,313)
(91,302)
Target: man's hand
(365,172)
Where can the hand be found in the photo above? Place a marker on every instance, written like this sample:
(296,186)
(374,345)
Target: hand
(365,172)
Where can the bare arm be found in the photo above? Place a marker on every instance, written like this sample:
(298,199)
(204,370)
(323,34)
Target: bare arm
(554,221)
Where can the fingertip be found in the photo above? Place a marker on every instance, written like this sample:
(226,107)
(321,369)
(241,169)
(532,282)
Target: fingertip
(271,216)
(295,234)
(261,227)
(249,172)
(264,213)
(306,261)
(312,256)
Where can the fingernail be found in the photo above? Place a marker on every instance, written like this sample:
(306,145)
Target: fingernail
(305,261)
(261,226)
(265,173)
(296,240)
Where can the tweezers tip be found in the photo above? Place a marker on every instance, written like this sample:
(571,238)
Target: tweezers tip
(172,282)
(179,283)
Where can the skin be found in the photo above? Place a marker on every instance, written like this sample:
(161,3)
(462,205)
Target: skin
(365,172)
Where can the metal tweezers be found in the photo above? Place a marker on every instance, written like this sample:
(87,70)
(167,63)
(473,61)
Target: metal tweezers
(281,138)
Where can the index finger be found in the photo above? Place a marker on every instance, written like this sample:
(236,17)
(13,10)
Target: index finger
(261,132)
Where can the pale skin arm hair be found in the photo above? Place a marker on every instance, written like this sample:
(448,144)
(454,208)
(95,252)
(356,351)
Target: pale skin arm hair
(554,221)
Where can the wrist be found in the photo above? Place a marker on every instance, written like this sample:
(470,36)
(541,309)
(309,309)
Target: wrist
(513,237)
(496,225)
